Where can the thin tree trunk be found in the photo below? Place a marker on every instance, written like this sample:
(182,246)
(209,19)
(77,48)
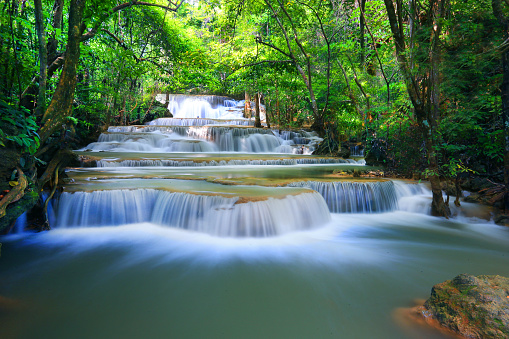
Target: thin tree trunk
(247,105)
(423,107)
(362,4)
(58,11)
(504,91)
(505,119)
(43,58)
(257,110)
(267,110)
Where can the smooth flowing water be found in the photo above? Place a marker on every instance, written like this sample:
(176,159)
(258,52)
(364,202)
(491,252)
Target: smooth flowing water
(228,250)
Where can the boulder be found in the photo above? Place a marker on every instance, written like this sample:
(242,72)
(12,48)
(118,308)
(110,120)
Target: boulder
(475,184)
(502,219)
(156,110)
(9,158)
(472,306)
(374,159)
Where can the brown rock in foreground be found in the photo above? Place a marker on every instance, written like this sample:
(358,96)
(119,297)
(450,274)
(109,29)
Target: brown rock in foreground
(474,307)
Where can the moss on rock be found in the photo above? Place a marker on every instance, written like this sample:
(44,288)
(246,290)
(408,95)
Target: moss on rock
(16,209)
(474,307)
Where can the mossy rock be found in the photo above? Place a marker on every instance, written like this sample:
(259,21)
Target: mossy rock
(9,158)
(476,184)
(16,209)
(472,306)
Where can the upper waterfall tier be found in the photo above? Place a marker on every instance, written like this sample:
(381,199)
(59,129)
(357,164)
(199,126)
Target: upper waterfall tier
(199,122)
(204,106)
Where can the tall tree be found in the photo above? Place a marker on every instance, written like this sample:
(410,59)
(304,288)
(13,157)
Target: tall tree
(24,194)
(295,51)
(422,85)
(503,19)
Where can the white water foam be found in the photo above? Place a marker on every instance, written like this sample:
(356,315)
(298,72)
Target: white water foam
(214,215)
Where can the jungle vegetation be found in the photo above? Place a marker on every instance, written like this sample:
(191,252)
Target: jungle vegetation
(422,84)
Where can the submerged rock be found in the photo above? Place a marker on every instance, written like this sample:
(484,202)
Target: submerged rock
(474,307)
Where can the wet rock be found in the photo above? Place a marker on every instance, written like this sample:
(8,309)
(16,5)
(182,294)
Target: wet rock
(344,152)
(449,187)
(9,158)
(374,159)
(157,110)
(476,184)
(476,198)
(502,219)
(417,176)
(472,306)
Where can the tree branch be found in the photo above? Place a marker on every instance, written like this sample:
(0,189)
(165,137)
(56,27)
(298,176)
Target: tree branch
(120,42)
(92,32)
(259,63)
(260,41)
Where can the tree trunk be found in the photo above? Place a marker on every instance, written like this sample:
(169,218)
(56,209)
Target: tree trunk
(267,110)
(362,4)
(43,57)
(247,106)
(504,93)
(61,104)
(58,11)
(424,99)
(258,123)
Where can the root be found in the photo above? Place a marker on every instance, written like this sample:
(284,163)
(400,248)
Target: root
(16,193)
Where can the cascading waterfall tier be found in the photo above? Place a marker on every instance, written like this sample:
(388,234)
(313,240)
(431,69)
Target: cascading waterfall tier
(234,162)
(199,122)
(355,197)
(212,214)
(203,106)
(129,184)
(149,138)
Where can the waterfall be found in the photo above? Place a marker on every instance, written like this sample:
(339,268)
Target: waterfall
(215,215)
(180,130)
(20,224)
(203,106)
(355,197)
(413,197)
(199,122)
(233,162)
(356,151)
(105,208)
(195,138)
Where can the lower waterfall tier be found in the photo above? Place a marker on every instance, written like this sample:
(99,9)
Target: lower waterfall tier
(355,197)
(212,214)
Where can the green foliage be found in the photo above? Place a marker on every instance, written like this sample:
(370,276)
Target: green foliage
(18,127)
(213,47)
